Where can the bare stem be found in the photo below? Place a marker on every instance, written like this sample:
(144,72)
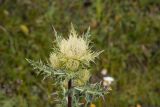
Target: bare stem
(69,96)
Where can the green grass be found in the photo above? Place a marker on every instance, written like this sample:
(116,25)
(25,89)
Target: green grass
(128,31)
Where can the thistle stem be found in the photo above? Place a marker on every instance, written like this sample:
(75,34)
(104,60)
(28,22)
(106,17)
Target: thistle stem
(69,96)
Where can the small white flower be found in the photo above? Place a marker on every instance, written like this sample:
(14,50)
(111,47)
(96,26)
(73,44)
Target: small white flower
(104,72)
(107,81)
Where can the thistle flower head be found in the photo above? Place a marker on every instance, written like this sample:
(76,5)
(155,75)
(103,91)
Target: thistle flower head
(72,52)
(72,64)
(83,77)
(74,47)
(55,63)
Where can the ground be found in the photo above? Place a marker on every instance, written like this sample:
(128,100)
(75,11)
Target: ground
(127,31)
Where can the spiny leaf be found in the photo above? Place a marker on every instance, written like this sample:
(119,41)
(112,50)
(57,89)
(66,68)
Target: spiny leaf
(44,69)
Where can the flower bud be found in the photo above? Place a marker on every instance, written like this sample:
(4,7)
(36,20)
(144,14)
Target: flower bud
(55,63)
(72,64)
(84,76)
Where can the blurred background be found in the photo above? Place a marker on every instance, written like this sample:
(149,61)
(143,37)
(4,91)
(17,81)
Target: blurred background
(127,30)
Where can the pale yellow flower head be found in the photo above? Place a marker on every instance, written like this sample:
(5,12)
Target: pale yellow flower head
(55,62)
(72,64)
(74,47)
(84,76)
(72,52)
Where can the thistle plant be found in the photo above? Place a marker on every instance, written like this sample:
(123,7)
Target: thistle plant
(69,66)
